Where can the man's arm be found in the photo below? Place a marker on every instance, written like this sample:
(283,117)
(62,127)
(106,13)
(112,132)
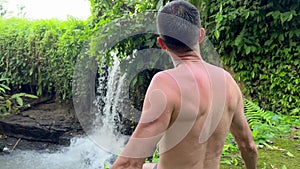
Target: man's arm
(155,119)
(243,136)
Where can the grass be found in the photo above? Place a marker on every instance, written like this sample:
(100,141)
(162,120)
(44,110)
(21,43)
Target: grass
(283,152)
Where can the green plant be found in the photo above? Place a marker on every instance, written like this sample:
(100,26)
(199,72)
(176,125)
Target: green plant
(259,42)
(265,126)
(11,103)
(106,166)
(4,104)
(39,56)
(3,87)
(256,115)
(155,157)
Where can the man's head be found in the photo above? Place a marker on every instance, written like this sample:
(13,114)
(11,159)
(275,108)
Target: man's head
(179,26)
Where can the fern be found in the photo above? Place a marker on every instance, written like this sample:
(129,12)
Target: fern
(255,114)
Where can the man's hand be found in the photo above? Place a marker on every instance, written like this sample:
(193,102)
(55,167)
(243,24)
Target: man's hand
(128,163)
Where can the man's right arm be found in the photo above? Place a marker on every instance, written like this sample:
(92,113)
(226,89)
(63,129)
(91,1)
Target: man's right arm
(243,136)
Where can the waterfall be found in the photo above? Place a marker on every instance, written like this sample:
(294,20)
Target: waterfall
(85,152)
(103,112)
(106,125)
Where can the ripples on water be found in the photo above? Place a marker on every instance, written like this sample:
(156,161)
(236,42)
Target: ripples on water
(81,154)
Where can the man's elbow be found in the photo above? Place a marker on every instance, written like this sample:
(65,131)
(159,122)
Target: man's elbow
(249,148)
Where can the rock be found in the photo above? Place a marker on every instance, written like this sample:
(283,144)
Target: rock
(47,123)
(1,147)
(6,150)
(28,144)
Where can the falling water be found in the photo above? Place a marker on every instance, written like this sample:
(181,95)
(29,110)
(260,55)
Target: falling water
(104,138)
(86,152)
(106,133)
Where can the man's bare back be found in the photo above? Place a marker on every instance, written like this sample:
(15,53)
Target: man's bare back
(190,135)
(189,110)
(192,153)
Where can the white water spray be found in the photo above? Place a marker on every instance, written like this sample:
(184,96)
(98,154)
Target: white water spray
(88,152)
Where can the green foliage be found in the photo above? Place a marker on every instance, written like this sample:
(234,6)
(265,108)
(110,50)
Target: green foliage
(106,166)
(39,56)
(155,157)
(261,122)
(255,114)
(265,126)
(107,18)
(3,87)
(11,103)
(108,10)
(259,41)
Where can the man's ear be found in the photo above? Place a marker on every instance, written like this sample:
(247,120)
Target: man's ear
(202,35)
(161,43)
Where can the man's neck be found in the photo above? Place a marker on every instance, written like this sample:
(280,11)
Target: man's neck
(178,58)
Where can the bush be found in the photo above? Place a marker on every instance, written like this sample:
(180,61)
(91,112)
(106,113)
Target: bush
(39,56)
(259,41)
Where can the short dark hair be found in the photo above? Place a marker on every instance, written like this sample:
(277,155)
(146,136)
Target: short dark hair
(186,24)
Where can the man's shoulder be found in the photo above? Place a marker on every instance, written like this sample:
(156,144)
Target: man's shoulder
(229,78)
(164,79)
(162,76)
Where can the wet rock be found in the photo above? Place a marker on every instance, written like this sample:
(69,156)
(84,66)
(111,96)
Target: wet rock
(10,142)
(46,123)
(2,145)
(6,150)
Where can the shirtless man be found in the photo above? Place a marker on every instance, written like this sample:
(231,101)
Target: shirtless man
(188,110)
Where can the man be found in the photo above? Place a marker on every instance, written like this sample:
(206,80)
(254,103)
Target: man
(189,110)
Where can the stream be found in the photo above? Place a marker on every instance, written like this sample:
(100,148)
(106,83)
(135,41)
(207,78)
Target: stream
(83,153)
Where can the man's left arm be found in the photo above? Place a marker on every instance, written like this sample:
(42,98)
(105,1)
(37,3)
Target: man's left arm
(155,119)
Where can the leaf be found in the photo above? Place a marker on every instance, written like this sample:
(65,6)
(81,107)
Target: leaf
(31,71)
(226,162)
(281,37)
(30,96)
(290,154)
(4,86)
(14,96)
(8,104)
(2,90)
(217,34)
(159,5)
(19,101)
(4,79)
(238,40)
(247,15)
(248,50)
